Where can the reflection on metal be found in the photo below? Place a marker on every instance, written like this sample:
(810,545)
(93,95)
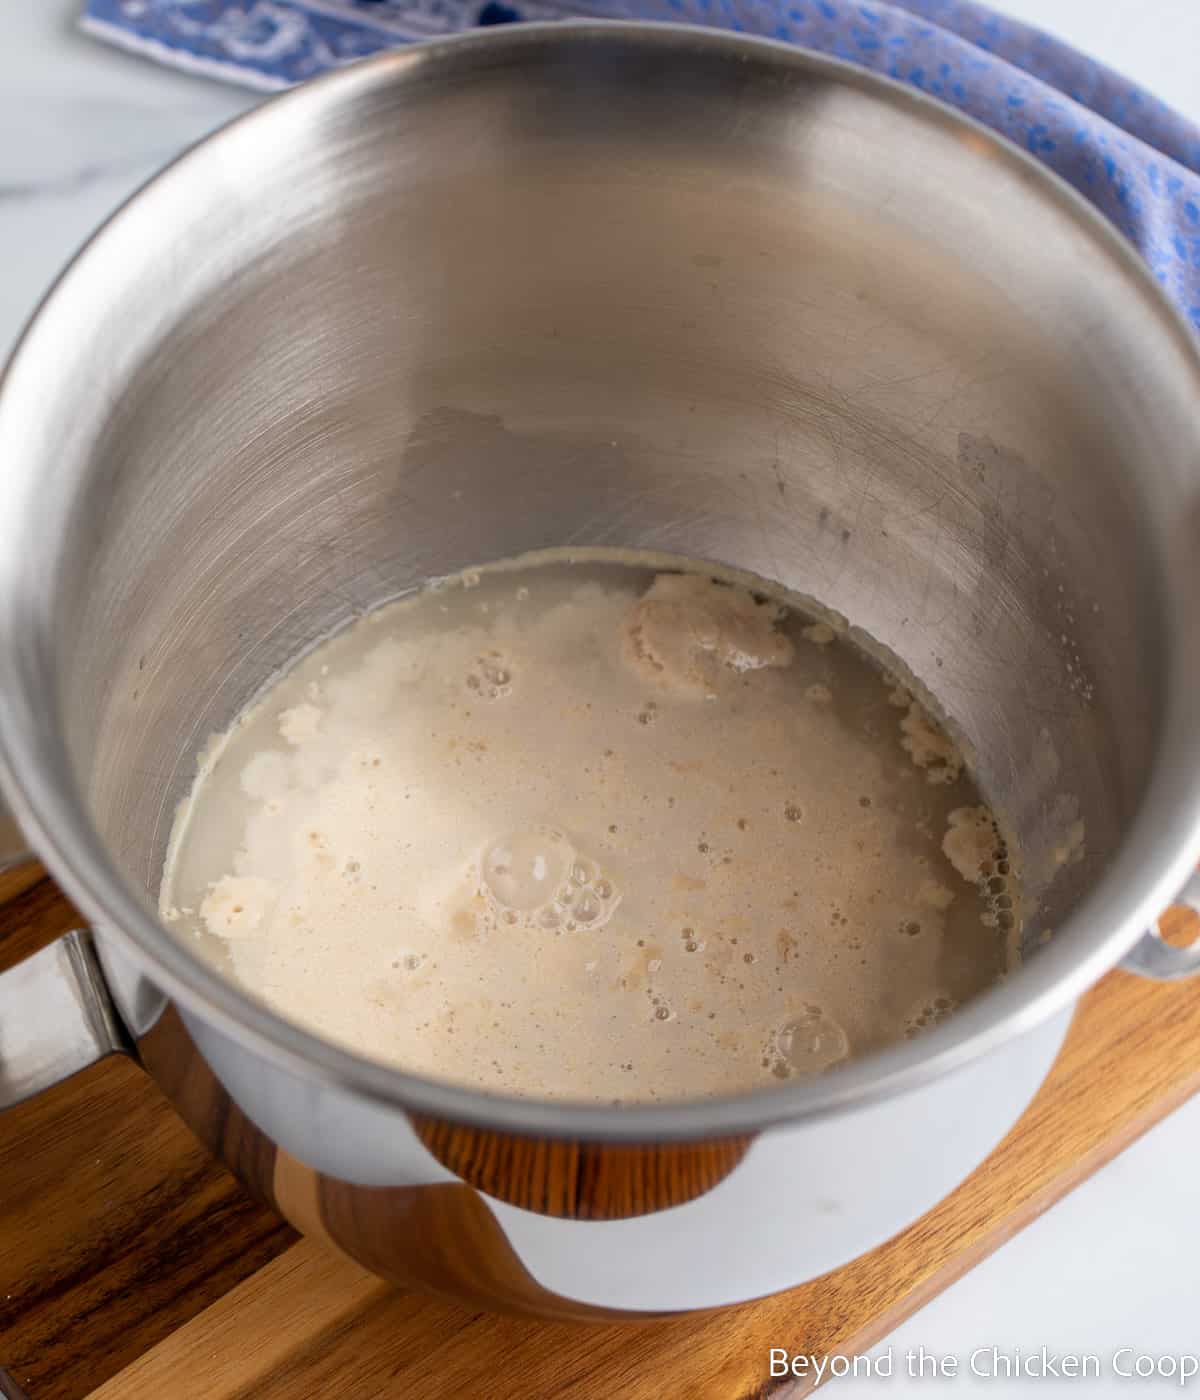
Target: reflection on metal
(56,1018)
(1151,956)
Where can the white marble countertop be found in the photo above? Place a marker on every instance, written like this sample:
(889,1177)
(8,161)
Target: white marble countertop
(81,126)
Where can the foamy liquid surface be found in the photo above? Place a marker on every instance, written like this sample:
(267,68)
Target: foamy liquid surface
(589,832)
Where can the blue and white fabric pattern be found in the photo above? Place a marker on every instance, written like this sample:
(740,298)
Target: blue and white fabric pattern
(1134,158)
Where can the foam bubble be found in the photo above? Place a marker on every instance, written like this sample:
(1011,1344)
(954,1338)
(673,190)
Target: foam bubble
(526,870)
(495,676)
(587,910)
(811,1042)
(930,1013)
(538,878)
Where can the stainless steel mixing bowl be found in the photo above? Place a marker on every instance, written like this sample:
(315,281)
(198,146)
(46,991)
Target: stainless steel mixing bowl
(596,285)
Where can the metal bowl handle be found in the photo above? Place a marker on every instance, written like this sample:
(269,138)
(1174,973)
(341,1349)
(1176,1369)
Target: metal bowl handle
(56,1014)
(56,1018)
(1150,956)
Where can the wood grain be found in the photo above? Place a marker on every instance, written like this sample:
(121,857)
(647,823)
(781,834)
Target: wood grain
(115,1225)
(132,1267)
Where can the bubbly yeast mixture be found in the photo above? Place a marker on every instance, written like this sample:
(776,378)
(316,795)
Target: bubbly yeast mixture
(590,831)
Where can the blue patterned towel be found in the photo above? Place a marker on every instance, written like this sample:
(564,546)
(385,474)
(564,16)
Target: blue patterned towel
(1131,155)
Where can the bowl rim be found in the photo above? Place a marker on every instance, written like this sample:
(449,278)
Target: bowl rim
(1130,893)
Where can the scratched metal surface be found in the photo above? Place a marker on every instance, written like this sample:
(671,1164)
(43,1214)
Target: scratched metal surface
(754,335)
(756,343)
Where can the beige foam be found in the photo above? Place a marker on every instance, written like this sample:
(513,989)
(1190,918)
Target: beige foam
(929,746)
(749,883)
(688,634)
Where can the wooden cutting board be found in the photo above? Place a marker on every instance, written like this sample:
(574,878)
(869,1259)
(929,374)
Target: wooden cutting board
(133,1267)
